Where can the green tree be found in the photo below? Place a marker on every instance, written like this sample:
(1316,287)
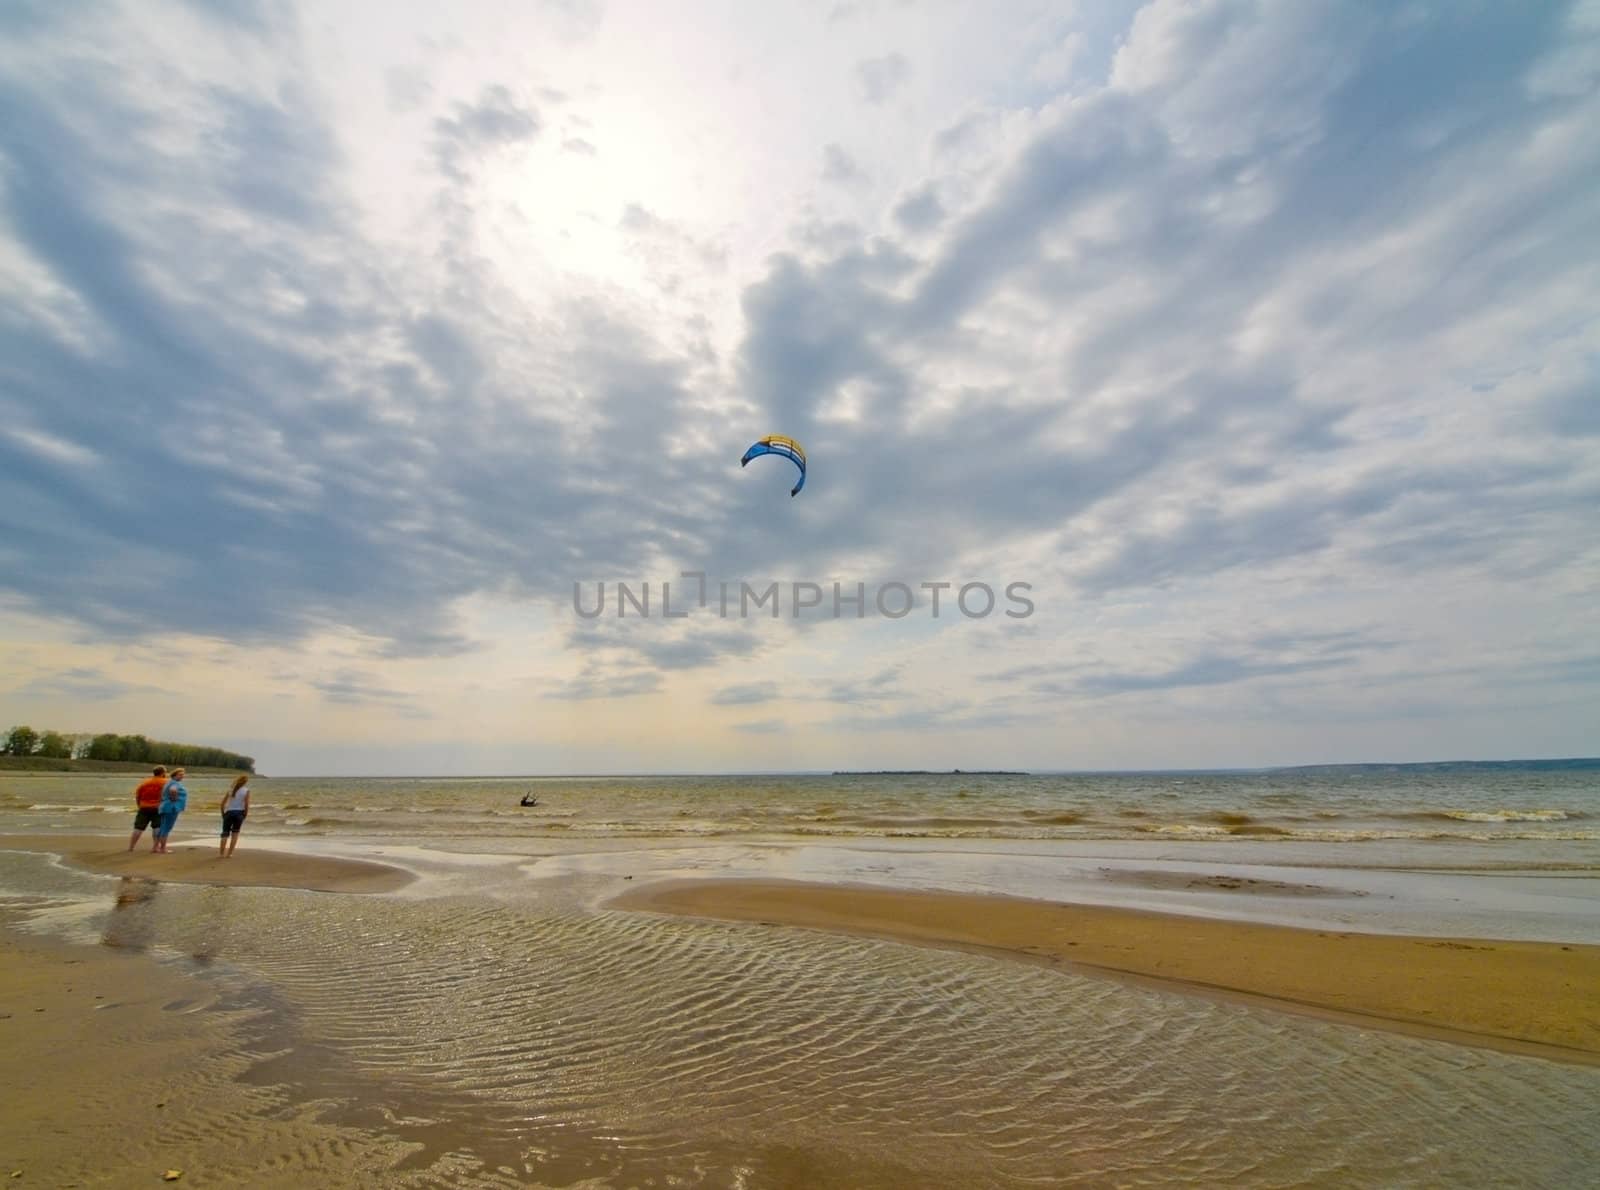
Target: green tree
(22,741)
(105,746)
(55,745)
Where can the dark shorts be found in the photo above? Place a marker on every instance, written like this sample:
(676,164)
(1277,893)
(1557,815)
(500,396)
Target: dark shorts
(147,816)
(232,820)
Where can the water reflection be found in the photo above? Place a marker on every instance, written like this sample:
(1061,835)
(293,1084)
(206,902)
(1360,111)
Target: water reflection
(131,923)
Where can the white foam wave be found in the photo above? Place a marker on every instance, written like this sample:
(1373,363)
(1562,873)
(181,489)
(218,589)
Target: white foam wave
(1188,830)
(1508,815)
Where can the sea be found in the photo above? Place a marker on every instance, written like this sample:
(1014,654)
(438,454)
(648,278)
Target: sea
(501,1025)
(1546,804)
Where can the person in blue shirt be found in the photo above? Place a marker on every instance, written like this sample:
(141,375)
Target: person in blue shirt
(174,800)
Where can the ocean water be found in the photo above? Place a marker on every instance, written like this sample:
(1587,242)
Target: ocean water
(1349,805)
(510,1029)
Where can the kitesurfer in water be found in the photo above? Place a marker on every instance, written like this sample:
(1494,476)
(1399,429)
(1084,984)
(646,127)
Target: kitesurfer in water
(529,800)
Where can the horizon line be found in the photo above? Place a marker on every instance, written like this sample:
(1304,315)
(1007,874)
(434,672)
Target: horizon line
(951,772)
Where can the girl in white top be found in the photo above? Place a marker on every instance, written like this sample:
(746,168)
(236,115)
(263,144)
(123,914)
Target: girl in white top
(235,806)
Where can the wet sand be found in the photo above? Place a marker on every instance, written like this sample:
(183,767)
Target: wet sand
(200,864)
(117,1065)
(1527,997)
(117,1068)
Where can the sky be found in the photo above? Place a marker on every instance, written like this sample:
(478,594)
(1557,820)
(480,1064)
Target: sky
(347,348)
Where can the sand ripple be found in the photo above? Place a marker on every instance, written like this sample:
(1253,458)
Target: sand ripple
(473,1044)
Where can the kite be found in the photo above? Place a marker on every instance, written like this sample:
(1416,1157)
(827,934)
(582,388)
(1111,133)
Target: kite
(788,448)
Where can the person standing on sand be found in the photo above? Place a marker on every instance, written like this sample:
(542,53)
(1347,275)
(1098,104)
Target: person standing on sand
(235,805)
(174,801)
(148,798)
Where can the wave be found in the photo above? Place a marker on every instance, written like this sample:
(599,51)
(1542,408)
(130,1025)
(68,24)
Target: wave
(1193,830)
(1509,815)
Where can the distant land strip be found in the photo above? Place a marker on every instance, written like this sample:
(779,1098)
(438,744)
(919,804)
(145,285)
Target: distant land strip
(931,773)
(52,764)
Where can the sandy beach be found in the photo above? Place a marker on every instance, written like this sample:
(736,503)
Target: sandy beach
(1525,996)
(553,1037)
(118,1068)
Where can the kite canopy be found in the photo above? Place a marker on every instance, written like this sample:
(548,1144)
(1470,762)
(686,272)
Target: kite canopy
(777,444)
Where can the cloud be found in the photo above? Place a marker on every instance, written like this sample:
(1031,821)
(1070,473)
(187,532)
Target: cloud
(956,716)
(494,120)
(357,688)
(1278,303)
(595,685)
(840,168)
(406,87)
(49,447)
(1203,671)
(86,684)
(746,694)
(919,212)
(336,447)
(873,689)
(877,79)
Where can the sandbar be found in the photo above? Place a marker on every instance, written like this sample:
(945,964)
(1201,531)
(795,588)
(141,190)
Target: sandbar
(1527,997)
(200,864)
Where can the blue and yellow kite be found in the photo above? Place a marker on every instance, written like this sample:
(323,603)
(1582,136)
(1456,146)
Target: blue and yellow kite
(777,444)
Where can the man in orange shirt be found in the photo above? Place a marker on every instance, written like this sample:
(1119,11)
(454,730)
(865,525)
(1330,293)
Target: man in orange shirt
(148,799)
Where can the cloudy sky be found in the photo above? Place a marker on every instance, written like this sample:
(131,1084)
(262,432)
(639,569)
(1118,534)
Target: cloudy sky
(340,340)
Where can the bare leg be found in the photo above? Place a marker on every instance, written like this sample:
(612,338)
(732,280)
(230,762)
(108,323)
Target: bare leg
(222,851)
(233,841)
(133,841)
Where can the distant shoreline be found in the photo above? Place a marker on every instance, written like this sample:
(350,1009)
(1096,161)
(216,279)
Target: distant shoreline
(931,773)
(40,764)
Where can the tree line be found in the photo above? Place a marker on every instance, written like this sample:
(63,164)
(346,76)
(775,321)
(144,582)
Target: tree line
(23,740)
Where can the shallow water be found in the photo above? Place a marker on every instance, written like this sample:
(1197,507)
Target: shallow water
(1509,806)
(516,1035)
